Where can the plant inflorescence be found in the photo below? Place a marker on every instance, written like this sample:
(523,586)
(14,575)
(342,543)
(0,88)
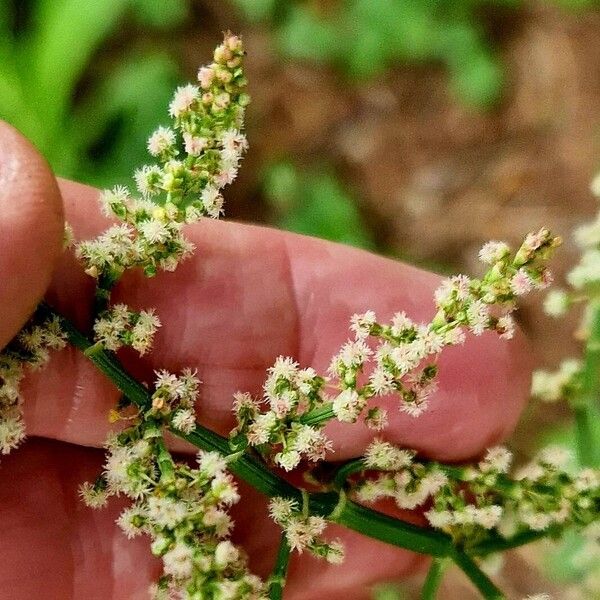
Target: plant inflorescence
(470,511)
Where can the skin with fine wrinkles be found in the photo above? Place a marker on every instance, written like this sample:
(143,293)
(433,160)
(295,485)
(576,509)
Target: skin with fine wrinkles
(30,229)
(247,295)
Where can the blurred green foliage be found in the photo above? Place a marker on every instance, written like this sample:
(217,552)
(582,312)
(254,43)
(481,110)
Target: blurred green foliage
(364,37)
(314,202)
(89,118)
(567,562)
(389,591)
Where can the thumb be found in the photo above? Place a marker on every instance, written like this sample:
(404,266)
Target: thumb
(31,229)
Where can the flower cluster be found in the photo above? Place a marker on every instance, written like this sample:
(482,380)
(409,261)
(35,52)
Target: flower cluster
(196,157)
(289,392)
(173,399)
(585,276)
(119,326)
(31,349)
(562,384)
(183,510)
(303,531)
(398,358)
(473,502)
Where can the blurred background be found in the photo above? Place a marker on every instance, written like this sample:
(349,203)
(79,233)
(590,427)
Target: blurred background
(415,128)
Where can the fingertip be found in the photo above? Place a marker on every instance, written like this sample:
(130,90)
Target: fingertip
(31,229)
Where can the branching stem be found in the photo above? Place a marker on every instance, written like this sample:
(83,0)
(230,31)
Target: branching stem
(326,504)
(433,579)
(277,579)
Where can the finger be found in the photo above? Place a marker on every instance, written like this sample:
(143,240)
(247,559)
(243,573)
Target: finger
(30,229)
(53,545)
(250,294)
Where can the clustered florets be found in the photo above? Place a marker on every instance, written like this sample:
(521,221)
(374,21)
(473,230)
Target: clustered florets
(30,349)
(197,157)
(468,502)
(184,511)
(398,358)
(584,278)
(303,531)
(119,326)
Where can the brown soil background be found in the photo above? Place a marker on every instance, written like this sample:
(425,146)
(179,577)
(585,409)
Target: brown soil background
(433,178)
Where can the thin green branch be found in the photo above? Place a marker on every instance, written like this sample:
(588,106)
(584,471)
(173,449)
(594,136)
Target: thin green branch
(318,415)
(496,543)
(482,582)
(586,404)
(277,579)
(434,579)
(346,470)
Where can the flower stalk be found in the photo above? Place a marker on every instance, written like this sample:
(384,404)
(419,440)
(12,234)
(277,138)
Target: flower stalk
(586,404)
(279,574)
(433,580)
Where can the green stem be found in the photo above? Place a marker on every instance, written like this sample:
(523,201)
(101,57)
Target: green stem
(587,403)
(346,470)
(165,461)
(277,579)
(496,543)
(434,579)
(481,581)
(391,531)
(252,470)
(318,415)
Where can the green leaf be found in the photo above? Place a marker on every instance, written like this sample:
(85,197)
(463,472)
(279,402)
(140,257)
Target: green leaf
(304,36)
(479,81)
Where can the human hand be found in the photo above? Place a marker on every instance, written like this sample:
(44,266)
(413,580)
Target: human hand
(247,295)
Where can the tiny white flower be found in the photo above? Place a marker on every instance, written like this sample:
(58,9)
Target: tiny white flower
(439,518)
(211,463)
(506,327)
(178,562)
(225,554)
(492,252)
(281,509)
(155,231)
(554,456)
(556,303)
(521,283)
(184,420)
(348,405)
(194,145)
(496,459)
(361,324)
(288,460)
(183,100)
(161,140)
